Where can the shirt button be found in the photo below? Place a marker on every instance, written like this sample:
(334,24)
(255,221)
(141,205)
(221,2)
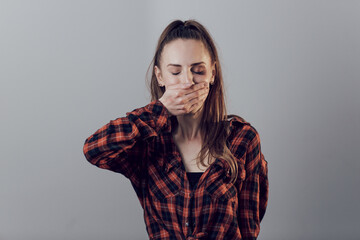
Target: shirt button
(187,224)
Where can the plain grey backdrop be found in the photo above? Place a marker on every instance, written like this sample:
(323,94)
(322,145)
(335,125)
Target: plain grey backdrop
(291,68)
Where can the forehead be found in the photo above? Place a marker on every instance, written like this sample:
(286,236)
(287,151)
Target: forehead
(185,52)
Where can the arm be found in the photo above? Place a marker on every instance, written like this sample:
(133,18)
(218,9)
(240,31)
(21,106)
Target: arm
(253,196)
(121,144)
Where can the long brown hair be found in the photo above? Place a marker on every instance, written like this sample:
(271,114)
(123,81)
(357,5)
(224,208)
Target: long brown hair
(213,123)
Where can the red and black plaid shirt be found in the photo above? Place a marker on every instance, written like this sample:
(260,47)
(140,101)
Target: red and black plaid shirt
(140,146)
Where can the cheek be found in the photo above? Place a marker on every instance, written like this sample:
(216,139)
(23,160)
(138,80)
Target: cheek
(202,78)
(171,79)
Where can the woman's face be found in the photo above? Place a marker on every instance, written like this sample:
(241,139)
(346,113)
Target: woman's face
(185,61)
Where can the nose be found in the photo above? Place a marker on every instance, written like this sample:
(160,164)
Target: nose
(188,77)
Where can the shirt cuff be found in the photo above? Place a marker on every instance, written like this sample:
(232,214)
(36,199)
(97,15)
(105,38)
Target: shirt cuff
(160,114)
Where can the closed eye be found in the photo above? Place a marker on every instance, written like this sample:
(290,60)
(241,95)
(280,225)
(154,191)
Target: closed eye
(200,73)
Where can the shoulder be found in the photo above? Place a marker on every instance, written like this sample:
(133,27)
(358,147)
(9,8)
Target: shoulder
(241,134)
(235,120)
(238,124)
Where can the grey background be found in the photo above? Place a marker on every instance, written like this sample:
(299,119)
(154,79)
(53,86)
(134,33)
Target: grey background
(67,68)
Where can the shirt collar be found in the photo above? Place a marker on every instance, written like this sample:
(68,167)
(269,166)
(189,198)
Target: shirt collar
(174,161)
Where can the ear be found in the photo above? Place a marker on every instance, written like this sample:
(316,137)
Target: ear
(213,71)
(158,76)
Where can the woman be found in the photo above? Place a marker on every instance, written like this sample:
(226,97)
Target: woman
(198,173)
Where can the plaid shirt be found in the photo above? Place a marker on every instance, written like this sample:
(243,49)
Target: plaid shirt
(140,147)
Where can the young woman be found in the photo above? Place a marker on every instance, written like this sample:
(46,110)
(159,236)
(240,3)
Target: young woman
(198,172)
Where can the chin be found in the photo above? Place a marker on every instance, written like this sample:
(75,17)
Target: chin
(197,111)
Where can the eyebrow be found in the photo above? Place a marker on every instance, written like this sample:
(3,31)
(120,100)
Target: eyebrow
(178,65)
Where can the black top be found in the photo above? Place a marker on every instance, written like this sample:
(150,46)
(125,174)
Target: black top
(193,178)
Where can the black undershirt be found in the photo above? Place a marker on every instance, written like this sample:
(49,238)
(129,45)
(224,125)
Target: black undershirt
(193,178)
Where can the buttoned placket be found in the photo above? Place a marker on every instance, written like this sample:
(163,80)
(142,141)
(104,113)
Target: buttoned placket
(190,223)
(175,163)
(191,219)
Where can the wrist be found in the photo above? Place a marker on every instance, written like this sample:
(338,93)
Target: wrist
(161,100)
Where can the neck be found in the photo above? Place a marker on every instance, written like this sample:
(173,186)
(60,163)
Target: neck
(189,126)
